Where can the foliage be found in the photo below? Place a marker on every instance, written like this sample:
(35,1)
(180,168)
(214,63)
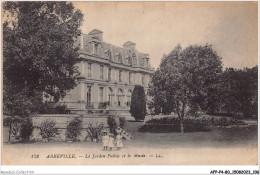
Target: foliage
(173,125)
(17,102)
(60,109)
(226,122)
(39,54)
(48,130)
(74,129)
(20,127)
(94,132)
(39,50)
(14,126)
(239,91)
(26,129)
(138,103)
(111,121)
(183,81)
(122,122)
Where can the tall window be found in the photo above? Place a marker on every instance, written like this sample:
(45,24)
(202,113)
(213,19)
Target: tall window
(110,101)
(89,96)
(130,78)
(101,72)
(120,97)
(143,79)
(120,76)
(109,74)
(89,69)
(101,94)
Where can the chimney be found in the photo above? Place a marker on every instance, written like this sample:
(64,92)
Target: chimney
(98,34)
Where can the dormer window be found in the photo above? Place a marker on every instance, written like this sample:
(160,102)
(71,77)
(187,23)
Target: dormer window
(108,54)
(95,48)
(134,61)
(142,62)
(120,58)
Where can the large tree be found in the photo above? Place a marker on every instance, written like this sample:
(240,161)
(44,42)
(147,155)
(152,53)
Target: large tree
(39,51)
(184,80)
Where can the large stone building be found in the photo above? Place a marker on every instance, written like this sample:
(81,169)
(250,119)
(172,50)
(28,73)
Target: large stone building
(108,75)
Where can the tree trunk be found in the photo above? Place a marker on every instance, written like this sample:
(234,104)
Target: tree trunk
(10,130)
(181,125)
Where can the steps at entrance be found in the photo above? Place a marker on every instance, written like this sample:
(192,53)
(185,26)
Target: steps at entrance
(122,113)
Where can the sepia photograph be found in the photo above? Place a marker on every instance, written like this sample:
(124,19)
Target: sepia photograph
(129,83)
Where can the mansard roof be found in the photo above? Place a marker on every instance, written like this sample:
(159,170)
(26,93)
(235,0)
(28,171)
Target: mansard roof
(108,50)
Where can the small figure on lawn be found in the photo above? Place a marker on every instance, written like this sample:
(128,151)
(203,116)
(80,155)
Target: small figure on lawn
(111,141)
(105,140)
(119,142)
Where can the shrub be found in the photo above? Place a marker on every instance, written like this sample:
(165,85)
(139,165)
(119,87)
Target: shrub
(122,122)
(111,121)
(15,128)
(168,124)
(94,133)
(26,129)
(138,103)
(47,109)
(74,129)
(226,122)
(48,130)
(14,124)
(62,109)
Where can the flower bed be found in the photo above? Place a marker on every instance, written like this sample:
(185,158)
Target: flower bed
(172,124)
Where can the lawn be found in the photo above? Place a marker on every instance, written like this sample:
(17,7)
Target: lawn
(216,138)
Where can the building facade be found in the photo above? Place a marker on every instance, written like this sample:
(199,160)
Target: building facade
(108,75)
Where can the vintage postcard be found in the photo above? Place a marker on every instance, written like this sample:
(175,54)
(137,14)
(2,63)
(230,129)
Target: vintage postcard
(129,83)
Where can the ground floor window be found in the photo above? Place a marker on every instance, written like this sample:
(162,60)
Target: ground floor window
(120,97)
(110,101)
(128,103)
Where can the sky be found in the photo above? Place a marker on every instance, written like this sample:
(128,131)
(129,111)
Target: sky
(157,27)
